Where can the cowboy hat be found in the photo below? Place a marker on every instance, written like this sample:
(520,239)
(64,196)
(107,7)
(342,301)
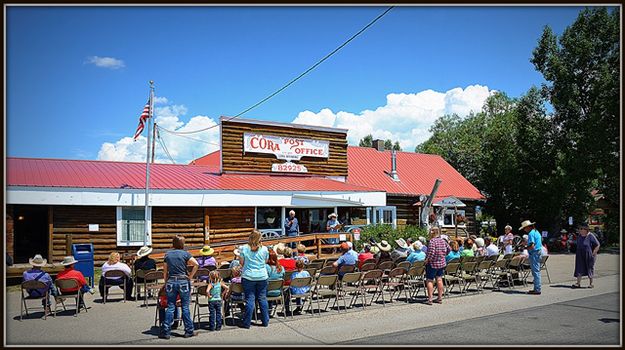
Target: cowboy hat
(384,246)
(422,239)
(236,251)
(68,260)
(207,251)
(331,215)
(479,242)
(563,231)
(445,237)
(526,223)
(38,260)
(401,243)
(145,250)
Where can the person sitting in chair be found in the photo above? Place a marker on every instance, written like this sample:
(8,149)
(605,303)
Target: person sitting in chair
(114,264)
(37,274)
(70,273)
(144,263)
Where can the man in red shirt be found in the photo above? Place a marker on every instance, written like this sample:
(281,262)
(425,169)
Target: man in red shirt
(364,256)
(70,273)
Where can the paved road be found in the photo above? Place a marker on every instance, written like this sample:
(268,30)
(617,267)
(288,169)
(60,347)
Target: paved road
(586,321)
(129,323)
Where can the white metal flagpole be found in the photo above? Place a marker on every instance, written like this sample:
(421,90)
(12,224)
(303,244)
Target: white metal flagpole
(147,167)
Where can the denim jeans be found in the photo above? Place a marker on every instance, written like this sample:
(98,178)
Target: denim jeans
(255,291)
(173,288)
(292,245)
(535,266)
(162,312)
(214,317)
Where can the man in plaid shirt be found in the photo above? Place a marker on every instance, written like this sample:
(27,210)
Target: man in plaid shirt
(435,264)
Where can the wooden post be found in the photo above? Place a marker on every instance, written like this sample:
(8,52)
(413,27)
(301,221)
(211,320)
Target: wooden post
(318,246)
(206,226)
(68,244)
(50,234)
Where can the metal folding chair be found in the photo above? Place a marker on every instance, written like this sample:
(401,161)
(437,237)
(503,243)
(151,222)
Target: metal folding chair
(25,296)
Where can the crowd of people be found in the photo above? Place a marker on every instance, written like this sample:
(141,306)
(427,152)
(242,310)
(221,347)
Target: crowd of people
(255,264)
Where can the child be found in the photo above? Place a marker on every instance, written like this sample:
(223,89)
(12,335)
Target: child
(301,253)
(162,301)
(215,285)
(299,274)
(287,262)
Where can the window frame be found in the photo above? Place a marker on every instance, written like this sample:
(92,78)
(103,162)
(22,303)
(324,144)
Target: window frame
(120,241)
(447,211)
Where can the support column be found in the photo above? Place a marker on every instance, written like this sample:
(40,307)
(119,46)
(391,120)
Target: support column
(206,227)
(50,234)
(10,227)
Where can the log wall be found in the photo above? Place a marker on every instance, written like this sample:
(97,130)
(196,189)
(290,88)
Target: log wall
(228,224)
(405,208)
(9,230)
(234,160)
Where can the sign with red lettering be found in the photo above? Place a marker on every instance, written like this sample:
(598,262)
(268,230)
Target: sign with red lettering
(289,167)
(287,148)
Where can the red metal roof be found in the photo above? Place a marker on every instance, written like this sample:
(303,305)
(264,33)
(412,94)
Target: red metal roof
(36,172)
(417,173)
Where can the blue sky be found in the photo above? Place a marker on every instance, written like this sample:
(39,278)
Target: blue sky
(213,61)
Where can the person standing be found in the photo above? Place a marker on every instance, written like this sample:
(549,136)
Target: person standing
(178,285)
(291,227)
(435,264)
(534,249)
(585,254)
(254,257)
(332,226)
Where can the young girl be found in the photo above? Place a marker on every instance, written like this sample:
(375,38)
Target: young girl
(214,291)
(293,290)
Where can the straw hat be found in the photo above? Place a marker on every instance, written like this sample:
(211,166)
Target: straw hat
(68,260)
(526,223)
(384,246)
(563,231)
(145,250)
(207,251)
(38,260)
(401,243)
(332,215)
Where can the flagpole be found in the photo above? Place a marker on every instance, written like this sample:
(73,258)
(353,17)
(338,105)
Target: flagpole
(147,166)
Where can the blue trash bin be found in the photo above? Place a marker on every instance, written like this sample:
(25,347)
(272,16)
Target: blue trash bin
(83,253)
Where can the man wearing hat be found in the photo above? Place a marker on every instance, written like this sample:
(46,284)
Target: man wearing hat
(69,273)
(145,263)
(332,226)
(385,251)
(349,257)
(534,248)
(401,251)
(36,274)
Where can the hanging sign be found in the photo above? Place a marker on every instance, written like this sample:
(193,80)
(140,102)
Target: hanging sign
(287,148)
(289,167)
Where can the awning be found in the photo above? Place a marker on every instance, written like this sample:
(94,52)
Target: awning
(449,202)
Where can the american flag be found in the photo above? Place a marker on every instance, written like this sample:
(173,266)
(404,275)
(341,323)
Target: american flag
(144,116)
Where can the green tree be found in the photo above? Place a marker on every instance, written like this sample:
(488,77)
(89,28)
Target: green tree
(388,145)
(582,69)
(366,141)
(396,146)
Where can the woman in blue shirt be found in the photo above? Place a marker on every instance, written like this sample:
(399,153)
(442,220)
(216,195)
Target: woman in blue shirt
(417,254)
(254,278)
(454,253)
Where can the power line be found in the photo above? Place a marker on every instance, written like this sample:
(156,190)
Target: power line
(187,137)
(293,80)
(162,143)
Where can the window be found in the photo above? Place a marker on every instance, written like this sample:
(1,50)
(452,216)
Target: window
(131,226)
(449,218)
(268,218)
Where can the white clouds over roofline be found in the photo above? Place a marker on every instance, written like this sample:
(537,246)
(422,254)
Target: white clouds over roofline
(106,62)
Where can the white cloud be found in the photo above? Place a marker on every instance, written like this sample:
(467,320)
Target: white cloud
(405,117)
(160,100)
(106,62)
(182,149)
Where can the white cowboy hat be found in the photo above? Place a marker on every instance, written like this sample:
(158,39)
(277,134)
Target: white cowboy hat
(38,260)
(207,251)
(445,237)
(350,244)
(236,251)
(68,260)
(384,246)
(479,242)
(526,223)
(422,239)
(331,215)
(401,243)
(563,231)
(145,250)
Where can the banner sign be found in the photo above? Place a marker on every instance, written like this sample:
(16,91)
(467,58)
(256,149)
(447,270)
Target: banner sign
(289,167)
(287,148)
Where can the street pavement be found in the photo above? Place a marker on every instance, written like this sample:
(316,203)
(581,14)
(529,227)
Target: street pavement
(560,315)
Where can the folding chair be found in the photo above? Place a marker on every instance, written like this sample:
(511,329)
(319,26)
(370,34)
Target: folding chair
(65,284)
(456,260)
(385,265)
(515,270)
(237,288)
(201,274)
(346,269)
(161,293)
(372,281)
(499,272)
(405,264)
(396,282)
(197,314)
(399,260)
(318,261)
(311,271)
(276,285)
(113,274)
(451,278)
(416,279)
(33,284)
(484,274)
(367,267)
(329,270)
(369,261)
(151,284)
(479,259)
(543,266)
(469,274)
(225,274)
(300,282)
(418,264)
(326,287)
(330,261)
(315,265)
(350,284)
(140,274)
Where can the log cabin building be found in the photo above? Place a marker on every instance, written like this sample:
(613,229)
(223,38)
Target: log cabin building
(264,169)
